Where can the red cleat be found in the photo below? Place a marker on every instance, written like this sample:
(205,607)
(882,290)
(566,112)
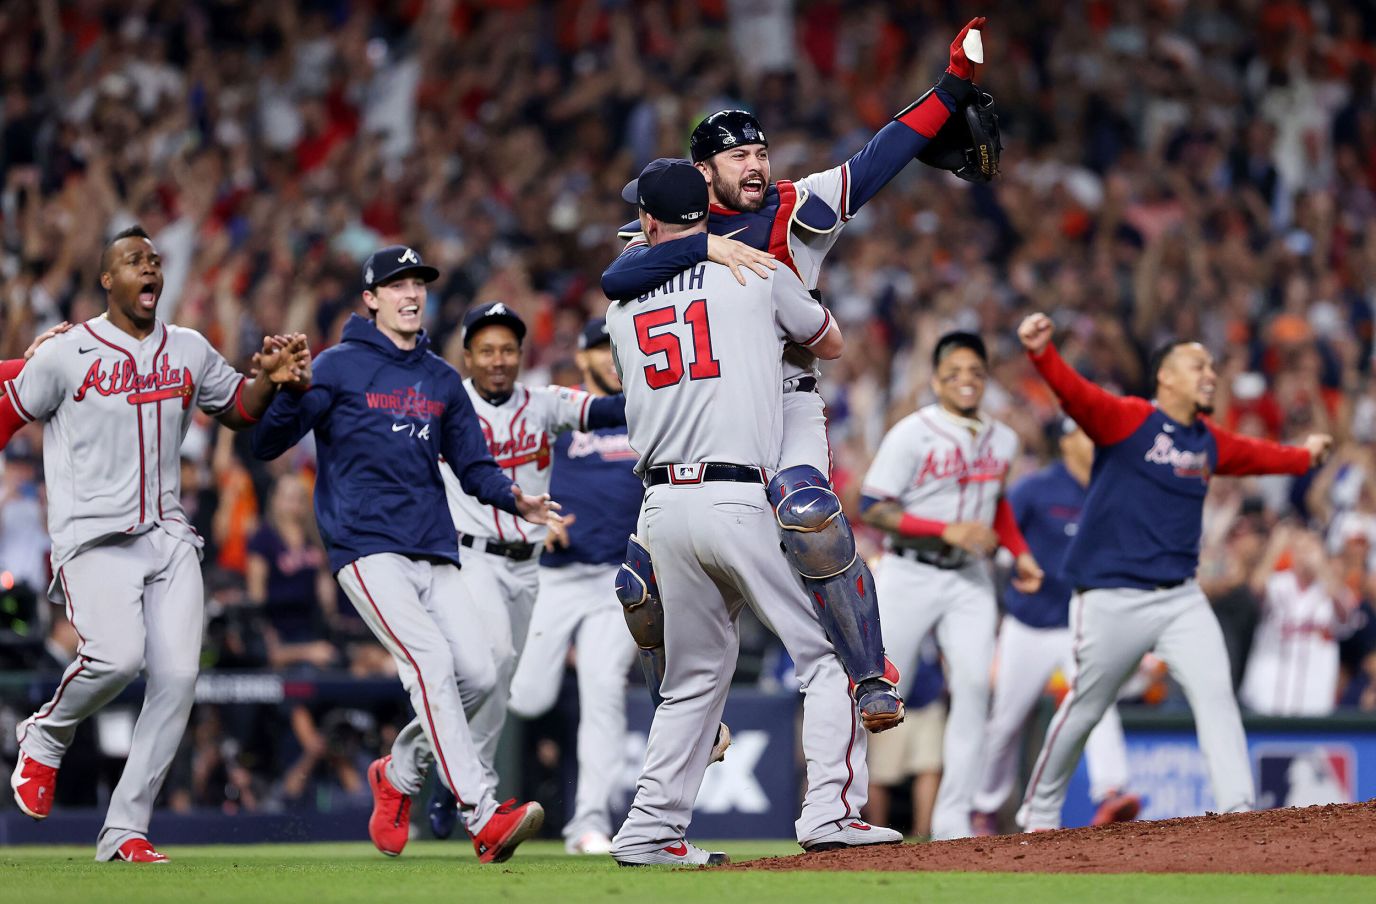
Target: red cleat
(33,784)
(507,828)
(390,824)
(140,850)
(1117,807)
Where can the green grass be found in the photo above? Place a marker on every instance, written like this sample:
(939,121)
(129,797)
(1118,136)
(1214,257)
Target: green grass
(440,871)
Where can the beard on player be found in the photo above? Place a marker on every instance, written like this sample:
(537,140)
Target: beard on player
(744,192)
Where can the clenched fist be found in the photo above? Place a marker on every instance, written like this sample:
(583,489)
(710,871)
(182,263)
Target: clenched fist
(1035,332)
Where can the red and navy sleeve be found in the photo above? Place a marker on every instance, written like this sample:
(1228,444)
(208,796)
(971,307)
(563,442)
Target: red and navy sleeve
(1106,418)
(1242,455)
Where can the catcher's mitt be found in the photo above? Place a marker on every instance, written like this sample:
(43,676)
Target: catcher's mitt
(968,144)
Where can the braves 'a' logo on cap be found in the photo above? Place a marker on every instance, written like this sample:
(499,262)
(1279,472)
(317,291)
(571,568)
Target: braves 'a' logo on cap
(408,257)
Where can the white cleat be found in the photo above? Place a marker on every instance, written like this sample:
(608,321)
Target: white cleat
(589,843)
(680,853)
(855,833)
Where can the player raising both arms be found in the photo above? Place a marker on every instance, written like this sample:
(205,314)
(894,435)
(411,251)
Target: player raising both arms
(115,397)
(798,223)
(1133,560)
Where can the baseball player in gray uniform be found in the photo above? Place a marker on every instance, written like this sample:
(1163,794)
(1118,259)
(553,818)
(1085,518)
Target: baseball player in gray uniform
(115,395)
(700,364)
(502,569)
(936,487)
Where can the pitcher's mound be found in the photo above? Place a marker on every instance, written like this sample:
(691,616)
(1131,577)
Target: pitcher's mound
(1337,838)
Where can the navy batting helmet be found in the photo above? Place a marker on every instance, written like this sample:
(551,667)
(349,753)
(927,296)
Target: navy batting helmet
(722,131)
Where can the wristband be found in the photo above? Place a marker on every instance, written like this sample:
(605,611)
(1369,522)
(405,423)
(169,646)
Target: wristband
(913,526)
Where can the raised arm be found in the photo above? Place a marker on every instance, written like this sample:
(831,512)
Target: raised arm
(850,186)
(284,361)
(1105,417)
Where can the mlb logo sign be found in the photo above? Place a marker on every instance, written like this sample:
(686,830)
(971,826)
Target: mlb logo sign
(1302,775)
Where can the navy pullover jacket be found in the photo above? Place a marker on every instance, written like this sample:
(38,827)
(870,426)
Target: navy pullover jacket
(382,417)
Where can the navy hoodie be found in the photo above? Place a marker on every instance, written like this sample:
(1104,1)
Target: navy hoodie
(382,417)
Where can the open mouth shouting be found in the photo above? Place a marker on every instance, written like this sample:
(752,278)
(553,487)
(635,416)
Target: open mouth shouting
(752,190)
(148,296)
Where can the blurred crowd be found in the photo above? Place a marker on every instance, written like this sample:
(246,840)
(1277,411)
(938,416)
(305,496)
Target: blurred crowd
(1172,168)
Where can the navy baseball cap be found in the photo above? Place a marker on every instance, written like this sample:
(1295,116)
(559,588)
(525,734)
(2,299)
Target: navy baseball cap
(594,334)
(669,189)
(388,263)
(490,313)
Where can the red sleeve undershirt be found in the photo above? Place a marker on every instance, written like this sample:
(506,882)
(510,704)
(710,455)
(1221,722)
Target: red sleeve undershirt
(1106,418)
(1006,526)
(10,419)
(927,116)
(1242,455)
(913,526)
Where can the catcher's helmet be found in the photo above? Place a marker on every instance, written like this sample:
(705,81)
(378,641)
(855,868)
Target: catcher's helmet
(723,130)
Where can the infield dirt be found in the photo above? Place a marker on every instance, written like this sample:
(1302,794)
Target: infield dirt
(1326,840)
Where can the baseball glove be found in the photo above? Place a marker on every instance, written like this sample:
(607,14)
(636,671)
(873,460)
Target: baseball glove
(968,144)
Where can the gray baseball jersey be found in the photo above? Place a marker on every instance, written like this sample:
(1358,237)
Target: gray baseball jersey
(937,468)
(682,406)
(517,433)
(114,411)
(945,468)
(699,361)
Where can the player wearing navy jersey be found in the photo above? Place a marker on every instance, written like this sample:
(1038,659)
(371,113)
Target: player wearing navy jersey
(383,409)
(1134,557)
(1034,640)
(593,474)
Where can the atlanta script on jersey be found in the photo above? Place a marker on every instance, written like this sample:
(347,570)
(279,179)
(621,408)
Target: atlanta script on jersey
(114,412)
(518,436)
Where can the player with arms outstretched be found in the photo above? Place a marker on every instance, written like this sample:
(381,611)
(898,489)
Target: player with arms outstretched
(1133,560)
(798,223)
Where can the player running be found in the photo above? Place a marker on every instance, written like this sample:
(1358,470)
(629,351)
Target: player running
(1034,640)
(593,476)
(502,575)
(936,486)
(1133,560)
(115,396)
(384,408)
(798,223)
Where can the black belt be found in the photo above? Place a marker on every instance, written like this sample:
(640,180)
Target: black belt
(945,556)
(516,552)
(1168,585)
(689,475)
(802,384)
